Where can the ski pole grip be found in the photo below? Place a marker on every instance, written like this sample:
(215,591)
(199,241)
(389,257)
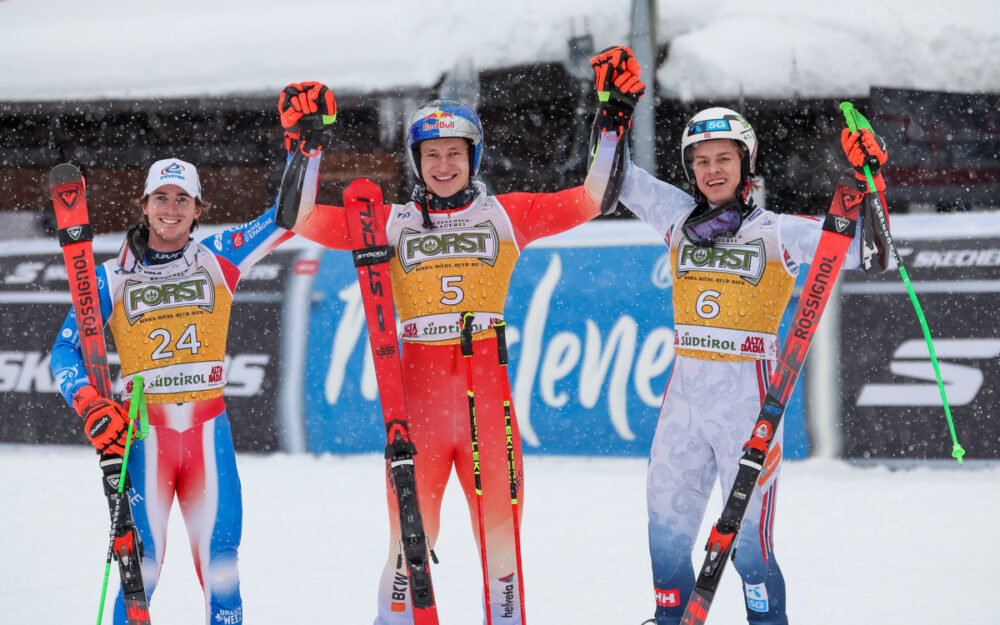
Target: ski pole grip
(500,327)
(854,121)
(465,323)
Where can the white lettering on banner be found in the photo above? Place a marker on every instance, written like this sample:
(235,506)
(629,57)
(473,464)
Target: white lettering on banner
(26,372)
(597,360)
(655,356)
(548,362)
(345,339)
(989,257)
(29,372)
(531,348)
(563,354)
(962,382)
(560,360)
(245,374)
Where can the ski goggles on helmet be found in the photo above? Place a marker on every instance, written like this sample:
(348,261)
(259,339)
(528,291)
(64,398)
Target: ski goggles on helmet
(722,221)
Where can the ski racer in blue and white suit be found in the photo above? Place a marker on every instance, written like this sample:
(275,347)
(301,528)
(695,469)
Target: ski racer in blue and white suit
(167,299)
(734,266)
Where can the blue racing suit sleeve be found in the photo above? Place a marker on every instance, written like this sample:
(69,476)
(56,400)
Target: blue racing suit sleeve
(66,361)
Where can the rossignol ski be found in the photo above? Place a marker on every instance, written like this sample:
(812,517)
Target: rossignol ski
(838,231)
(75,235)
(366,224)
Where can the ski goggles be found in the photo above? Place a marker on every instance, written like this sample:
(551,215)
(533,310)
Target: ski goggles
(723,221)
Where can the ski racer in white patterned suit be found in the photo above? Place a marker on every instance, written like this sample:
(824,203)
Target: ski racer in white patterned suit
(167,299)
(734,267)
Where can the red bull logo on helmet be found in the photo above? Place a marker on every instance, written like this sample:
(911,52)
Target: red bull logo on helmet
(439,120)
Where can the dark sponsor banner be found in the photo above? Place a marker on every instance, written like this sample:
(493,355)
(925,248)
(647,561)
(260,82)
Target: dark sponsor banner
(944,147)
(891,404)
(35,299)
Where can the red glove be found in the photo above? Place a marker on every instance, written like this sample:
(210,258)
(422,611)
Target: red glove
(864,148)
(616,73)
(105,421)
(315,101)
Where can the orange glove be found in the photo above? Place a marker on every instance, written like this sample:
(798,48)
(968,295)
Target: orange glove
(864,148)
(314,101)
(616,74)
(105,421)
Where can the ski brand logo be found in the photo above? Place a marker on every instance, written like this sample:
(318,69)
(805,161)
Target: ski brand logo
(668,598)
(74,232)
(480,242)
(912,360)
(140,298)
(841,223)
(68,195)
(746,260)
(815,298)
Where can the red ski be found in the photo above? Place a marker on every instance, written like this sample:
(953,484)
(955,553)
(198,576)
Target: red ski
(366,223)
(70,201)
(838,231)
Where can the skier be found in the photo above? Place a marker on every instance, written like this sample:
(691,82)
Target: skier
(455,249)
(734,268)
(167,299)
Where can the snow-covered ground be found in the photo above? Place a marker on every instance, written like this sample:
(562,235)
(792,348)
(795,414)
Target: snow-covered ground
(857,544)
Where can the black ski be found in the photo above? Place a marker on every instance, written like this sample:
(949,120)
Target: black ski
(838,231)
(70,202)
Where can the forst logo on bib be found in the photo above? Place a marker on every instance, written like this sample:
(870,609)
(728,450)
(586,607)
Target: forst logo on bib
(140,298)
(480,242)
(745,260)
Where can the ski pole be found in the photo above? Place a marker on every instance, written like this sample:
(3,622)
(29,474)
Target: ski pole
(501,329)
(136,405)
(465,323)
(855,121)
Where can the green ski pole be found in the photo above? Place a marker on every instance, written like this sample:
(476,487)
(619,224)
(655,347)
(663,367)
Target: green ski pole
(855,120)
(136,405)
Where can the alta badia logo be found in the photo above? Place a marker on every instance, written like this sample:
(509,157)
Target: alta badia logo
(140,298)
(480,241)
(745,260)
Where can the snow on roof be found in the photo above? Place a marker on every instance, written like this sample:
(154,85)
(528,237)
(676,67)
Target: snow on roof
(67,49)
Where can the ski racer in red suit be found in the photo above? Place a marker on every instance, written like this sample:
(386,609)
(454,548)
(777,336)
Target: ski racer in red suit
(167,299)
(455,249)
(734,267)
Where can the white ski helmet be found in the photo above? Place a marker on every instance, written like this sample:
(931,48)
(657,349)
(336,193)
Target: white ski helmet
(444,118)
(720,123)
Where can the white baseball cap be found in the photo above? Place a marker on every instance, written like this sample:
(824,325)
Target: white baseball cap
(173,171)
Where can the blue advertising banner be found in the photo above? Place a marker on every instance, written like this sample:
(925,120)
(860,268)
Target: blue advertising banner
(591,337)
